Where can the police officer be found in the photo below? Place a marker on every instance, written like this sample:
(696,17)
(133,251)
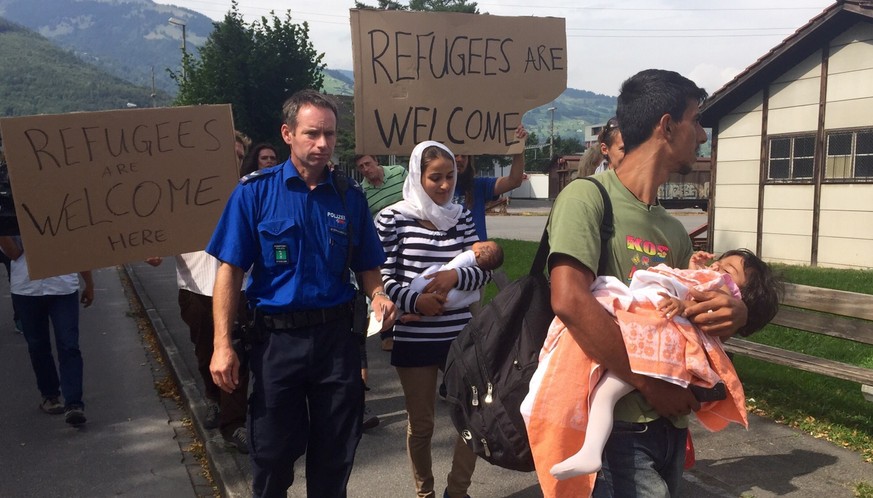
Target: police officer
(302,228)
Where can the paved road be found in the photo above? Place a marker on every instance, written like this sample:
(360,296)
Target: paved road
(769,460)
(381,466)
(132,443)
(133,440)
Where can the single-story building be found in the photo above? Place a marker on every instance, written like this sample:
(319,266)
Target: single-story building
(792,154)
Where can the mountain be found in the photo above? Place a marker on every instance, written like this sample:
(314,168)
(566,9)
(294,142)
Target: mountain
(574,110)
(39,78)
(339,82)
(131,39)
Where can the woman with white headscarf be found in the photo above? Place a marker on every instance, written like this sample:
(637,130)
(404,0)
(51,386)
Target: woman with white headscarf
(424,229)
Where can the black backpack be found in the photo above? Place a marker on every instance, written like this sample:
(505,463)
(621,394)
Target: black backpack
(491,362)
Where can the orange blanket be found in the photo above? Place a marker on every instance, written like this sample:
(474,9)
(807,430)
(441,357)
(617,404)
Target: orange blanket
(670,349)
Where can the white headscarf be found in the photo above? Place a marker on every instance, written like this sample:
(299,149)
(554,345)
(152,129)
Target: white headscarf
(417,204)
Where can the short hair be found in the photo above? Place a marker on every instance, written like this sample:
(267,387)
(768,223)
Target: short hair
(761,291)
(305,97)
(646,96)
(496,254)
(358,157)
(243,139)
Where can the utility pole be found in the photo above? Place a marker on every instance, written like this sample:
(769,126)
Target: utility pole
(154,92)
(552,134)
(178,22)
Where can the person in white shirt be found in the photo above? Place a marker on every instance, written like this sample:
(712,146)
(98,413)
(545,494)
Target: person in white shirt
(56,299)
(195,276)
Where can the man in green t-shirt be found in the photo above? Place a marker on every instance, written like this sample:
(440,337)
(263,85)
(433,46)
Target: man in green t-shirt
(382,184)
(658,112)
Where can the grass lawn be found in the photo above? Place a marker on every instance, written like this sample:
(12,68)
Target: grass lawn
(819,405)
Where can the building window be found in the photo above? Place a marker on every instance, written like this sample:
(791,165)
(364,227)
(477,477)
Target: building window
(791,158)
(849,155)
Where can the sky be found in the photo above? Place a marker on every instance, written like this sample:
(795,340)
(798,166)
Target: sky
(708,41)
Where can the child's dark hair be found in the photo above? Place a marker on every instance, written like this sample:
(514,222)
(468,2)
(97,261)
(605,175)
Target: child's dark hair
(761,292)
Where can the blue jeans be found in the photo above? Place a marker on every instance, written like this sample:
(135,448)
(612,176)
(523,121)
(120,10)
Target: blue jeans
(35,312)
(642,461)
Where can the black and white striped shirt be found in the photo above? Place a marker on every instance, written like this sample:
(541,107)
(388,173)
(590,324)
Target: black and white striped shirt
(410,249)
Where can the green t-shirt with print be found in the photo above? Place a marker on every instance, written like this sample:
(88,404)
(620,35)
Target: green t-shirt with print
(645,236)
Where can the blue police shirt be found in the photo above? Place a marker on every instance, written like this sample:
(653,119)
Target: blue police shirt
(483,191)
(296,238)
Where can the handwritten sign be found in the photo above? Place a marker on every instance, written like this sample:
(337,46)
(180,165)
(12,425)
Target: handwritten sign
(95,189)
(464,80)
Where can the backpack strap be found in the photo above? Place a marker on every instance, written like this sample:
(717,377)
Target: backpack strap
(607,230)
(341,182)
(607,226)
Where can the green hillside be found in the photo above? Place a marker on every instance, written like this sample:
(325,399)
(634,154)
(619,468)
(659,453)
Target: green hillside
(132,40)
(338,82)
(574,110)
(127,38)
(37,77)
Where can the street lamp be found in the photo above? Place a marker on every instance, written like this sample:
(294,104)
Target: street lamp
(552,134)
(178,22)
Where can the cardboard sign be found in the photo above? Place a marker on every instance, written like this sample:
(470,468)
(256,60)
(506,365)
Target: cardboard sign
(95,189)
(464,80)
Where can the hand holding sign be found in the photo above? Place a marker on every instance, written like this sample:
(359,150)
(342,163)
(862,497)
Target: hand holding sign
(94,189)
(461,79)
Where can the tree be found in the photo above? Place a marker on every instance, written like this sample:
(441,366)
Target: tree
(444,6)
(255,68)
(425,6)
(568,146)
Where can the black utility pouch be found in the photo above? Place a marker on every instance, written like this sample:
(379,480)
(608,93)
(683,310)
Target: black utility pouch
(247,330)
(360,316)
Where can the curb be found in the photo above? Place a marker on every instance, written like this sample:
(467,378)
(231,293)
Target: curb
(230,479)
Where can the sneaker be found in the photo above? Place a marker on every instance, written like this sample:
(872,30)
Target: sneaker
(52,406)
(210,421)
(75,415)
(370,420)
(239,440)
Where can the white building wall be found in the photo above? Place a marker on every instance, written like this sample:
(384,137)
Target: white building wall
(850,79)
(846,226)
(846,218)
(787,223)
(846,212)
(737,175)
(794,97)
(535,187)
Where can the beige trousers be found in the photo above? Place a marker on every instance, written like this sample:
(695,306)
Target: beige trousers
(419,389)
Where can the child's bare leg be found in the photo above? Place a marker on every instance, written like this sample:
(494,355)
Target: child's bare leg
(588,459)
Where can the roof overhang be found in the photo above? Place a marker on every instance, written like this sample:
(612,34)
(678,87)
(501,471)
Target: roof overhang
(810,37)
